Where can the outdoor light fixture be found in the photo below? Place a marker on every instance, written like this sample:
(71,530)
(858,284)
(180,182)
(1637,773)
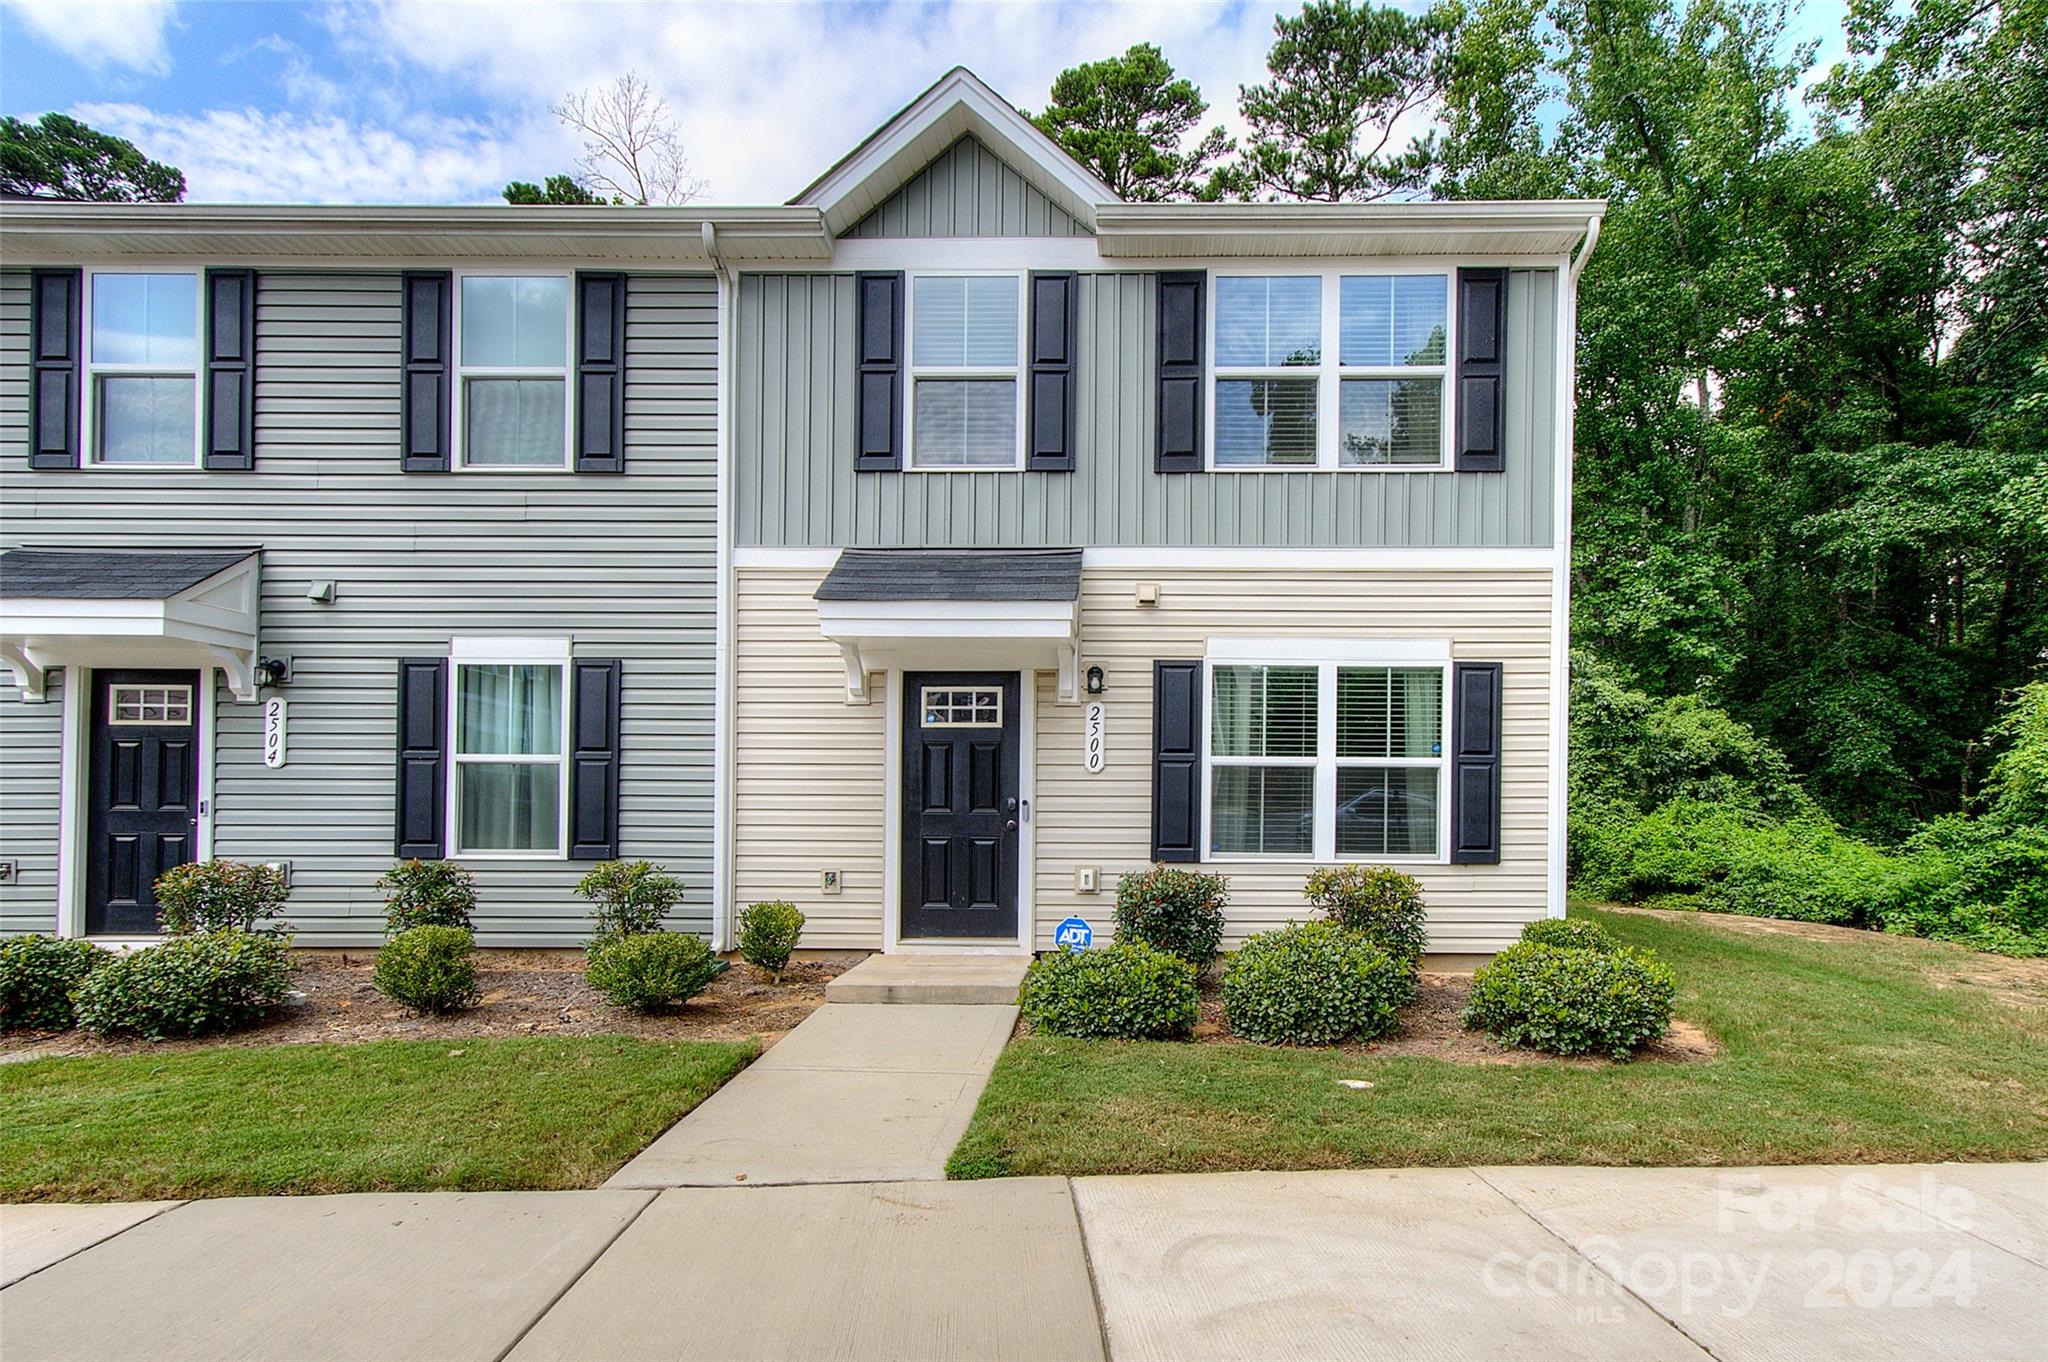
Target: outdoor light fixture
(1095,680)
(274,671)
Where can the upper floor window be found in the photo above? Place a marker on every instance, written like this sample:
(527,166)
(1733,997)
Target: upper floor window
(513,354)
(143,368)
(966,403)
(1331,370)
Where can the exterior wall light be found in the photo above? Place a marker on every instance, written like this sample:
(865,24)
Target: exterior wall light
(1095,680)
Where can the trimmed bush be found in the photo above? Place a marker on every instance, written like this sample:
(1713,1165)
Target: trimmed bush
(187,986)
(219,896)
(630,897)
(1176,911)
(426,894)
(768,934)
(37,974)
(1378,901)
(429,969)
(1129,991)
(1569,934)
(1572,1001)
(1313,983)
(648,970)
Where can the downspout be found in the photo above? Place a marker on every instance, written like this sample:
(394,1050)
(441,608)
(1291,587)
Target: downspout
(1578,261)
(722,646)
(1561,569)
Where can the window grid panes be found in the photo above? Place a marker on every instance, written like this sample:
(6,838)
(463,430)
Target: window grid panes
(945,708)
(142,351)
(1263,736)
(513,351)
(509,767)
(149,704)
(964,348)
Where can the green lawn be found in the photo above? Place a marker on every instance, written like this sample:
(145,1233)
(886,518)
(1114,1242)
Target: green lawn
(1868,1049)
(386,1116)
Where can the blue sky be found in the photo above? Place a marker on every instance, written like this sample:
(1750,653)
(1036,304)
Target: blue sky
(428,101)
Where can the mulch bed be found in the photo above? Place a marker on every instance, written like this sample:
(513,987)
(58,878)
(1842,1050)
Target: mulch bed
(550,999)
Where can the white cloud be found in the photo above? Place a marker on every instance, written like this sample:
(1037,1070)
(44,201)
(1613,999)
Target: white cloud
(98,32)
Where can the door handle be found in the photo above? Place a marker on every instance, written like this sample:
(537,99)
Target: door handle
(1010,825)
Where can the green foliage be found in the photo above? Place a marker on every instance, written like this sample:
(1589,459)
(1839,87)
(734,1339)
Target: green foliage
(187,986)
(37,974)
(219,896)
(558,189)
(61,158)
(651,969)
(429,969)
(629,897)
(1173,910)
(1572,1001)
(1313,983)
(426,894)
(1128,119)
(1568,934)
(2016,790)
(768,934)
(1128,991)
(1378,902)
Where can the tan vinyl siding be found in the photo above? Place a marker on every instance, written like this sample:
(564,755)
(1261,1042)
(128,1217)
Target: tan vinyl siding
(967,190)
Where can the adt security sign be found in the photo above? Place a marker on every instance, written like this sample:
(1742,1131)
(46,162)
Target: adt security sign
(1074,935)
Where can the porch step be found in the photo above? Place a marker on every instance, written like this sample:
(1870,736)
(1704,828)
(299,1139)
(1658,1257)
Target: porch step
(989,980)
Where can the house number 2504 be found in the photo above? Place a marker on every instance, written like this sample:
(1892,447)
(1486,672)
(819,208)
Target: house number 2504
(1092,740)
(273,731)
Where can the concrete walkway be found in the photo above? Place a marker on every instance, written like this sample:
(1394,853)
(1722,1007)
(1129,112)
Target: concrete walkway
(1737,1265)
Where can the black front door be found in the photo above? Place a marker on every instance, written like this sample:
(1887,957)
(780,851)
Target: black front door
(960,811)
(142,813)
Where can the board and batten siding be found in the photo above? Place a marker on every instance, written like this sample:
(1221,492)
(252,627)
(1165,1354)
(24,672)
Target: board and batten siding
(625,565)
(811,769)
(967,190)
(794,426)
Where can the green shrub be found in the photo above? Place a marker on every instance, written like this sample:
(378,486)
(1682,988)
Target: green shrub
(187,986)
(1572,1002)
(219,896)
(629,897)
(768,934)
(1173,910)
(37,974)
(1129,990)
(1313,983)
(1569,934)
(426,894)
(647,970)
(429,969)
(1379,902)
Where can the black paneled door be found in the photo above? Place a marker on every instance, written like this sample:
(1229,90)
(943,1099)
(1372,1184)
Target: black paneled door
(960,804)
(142,814)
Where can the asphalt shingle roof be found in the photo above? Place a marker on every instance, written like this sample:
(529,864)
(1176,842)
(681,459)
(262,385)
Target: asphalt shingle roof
(953,575)
(95,575)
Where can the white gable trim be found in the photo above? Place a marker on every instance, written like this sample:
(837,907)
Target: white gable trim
(959,104)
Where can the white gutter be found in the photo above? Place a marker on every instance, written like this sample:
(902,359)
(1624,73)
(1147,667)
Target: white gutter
(722,646)
(1585,253)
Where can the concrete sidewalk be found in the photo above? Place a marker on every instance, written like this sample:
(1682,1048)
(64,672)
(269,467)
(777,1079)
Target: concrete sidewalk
(1738,1265)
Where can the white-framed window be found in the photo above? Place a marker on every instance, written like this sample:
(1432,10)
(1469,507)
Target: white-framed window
(141,401)
(1314,760)
(961,707)
(509,716)
(512,346)
(149,704)
(966,337)
(1337,369)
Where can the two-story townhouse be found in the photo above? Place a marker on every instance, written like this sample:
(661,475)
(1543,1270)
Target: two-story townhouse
(928,551)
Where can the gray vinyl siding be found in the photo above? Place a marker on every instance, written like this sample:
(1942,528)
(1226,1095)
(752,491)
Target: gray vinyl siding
(30,741)
(794,484)
(967,191)
(625,565)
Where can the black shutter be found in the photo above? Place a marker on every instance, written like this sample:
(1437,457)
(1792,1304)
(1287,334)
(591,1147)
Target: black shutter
(230,370)
(1055,301)
(53,366)
(424,410)
(880,324)
(1176,761)
(594,762)
(600,373)
(1183,300)
(422,757)
(1475,763)
(1482,345)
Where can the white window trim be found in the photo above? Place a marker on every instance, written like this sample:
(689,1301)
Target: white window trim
(464,372)
(912,372)
(483,652)
(1323,843)
(1331,372)
(93,370)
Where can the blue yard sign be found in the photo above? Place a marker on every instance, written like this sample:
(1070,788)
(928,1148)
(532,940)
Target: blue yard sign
(1074,934)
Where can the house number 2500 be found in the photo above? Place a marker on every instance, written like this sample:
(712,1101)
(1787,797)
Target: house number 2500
(1092,740)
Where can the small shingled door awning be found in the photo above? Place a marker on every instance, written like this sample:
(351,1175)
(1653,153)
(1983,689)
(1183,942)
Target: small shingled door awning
(954,609)
(119,608)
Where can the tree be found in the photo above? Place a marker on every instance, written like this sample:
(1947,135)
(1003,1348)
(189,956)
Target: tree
(1346,82)
(632,150)
(559,189)
(1500,77)
(61,158)
(1128,119)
